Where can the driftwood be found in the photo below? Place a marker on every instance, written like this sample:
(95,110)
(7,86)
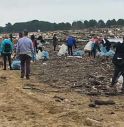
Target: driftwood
(102,102)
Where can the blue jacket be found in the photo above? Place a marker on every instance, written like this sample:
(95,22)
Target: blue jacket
(6,41)
(71,41)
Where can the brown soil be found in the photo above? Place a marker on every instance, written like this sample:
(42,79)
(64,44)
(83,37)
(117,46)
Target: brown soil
(57,95)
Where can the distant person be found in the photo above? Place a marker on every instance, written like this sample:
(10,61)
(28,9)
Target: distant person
(25,50)
(95,46)
(118,61)
(7,48)
(34,46)
(40,41)
(11,37)
(55,41)
(1,39)
(20,35)
(71,41)
(106,43)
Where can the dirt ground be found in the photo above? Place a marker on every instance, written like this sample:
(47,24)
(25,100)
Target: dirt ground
(57,95)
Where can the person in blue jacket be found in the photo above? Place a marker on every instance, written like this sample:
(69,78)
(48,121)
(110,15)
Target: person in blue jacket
(7,48)
(71,41)
(1,39)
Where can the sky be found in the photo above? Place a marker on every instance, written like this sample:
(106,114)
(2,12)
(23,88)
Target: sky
(59,10)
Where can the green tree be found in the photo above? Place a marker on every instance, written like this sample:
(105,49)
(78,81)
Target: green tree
(92,23)
(113,22)
(101,24)
(108,23)
(86,24)
(120,22)
(8,27)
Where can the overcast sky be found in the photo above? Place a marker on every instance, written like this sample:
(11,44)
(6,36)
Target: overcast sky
(59,10)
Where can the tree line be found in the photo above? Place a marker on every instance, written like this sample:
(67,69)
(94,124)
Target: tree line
(36,25)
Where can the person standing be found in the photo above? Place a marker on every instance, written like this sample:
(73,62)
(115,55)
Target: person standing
(118,61)
(55,41)
(25,50)
(71,41)
(106,43)
(20,35)
(1,39)
(95,46)
(7,48)
(35,47)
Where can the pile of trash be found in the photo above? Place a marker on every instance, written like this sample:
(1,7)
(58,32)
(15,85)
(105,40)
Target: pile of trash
(104,52)
(82,75)
(63,51)
(44,55)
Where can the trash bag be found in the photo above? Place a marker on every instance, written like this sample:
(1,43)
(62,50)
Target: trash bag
(47,43)
(100,54)
(88,46)
(39,55)
(120,79)
(78,53)
(103,49)
(63,50)
(16,64)
(42,55)
(45,55)
(110,53)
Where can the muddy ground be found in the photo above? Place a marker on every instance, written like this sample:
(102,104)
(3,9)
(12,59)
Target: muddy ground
(61,93)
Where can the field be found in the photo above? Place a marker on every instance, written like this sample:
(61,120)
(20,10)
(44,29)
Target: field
(60,93)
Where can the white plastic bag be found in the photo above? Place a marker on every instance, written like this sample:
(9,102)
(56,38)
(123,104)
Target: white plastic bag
(42,55)
(63,50)
(39,55)
(88,46)
(120,79)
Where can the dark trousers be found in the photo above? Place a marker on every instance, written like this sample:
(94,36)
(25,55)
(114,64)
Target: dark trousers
(70,52)
(54,47)
(25,65)
(118,71)
(5,57)
(93,52)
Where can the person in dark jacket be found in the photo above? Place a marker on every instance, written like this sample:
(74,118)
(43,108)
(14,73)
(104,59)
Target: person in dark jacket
(20,35)
(71,41)
(118,61)
(55,41)
(106,43)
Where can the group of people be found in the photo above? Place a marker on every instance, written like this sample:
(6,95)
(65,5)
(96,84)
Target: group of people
(23,50)
(26,49)
(95,45)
